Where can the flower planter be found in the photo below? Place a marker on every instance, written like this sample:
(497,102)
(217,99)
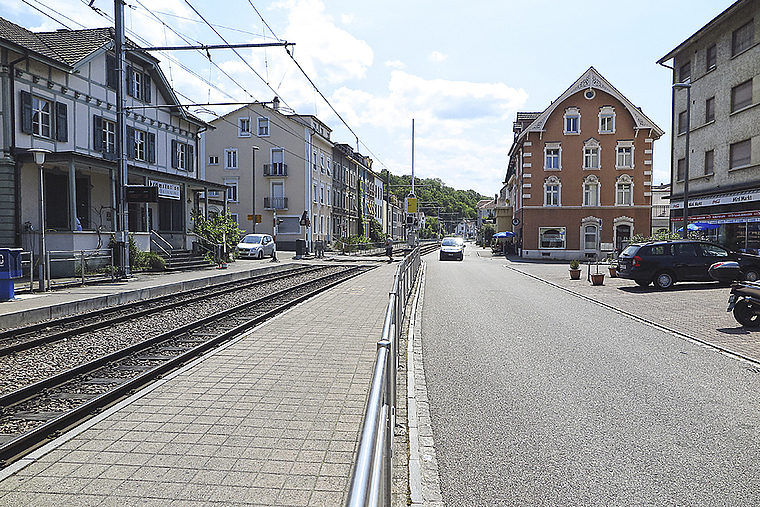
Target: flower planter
(613,272)
(597,278)
(575,274)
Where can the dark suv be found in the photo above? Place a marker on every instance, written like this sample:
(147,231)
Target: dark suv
(668,262)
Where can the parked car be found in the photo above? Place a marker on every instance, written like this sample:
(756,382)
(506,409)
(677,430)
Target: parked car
(668,262)
(452,248)
(256,245)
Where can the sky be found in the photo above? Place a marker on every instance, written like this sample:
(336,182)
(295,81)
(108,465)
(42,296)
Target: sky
(458,71)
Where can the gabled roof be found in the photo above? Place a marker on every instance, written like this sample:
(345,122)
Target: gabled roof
(591,79)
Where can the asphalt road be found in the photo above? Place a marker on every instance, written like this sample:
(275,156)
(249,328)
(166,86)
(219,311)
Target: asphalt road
(541,398)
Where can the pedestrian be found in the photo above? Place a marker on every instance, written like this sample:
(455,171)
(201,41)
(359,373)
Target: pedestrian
(389,248)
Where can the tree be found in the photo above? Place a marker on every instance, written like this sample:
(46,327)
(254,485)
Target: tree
(217,229)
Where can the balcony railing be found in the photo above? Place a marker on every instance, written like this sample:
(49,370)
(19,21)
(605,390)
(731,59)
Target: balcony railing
(276,169)
(276,202)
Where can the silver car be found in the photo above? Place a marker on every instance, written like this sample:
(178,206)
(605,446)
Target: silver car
(256,246)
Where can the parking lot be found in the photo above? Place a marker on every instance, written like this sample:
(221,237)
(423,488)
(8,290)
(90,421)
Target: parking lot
(695,310)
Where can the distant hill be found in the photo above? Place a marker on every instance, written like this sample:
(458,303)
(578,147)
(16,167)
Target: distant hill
(455,203)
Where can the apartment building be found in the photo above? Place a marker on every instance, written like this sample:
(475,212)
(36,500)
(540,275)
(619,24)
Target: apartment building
(58,94)
(718,67)
(580,172)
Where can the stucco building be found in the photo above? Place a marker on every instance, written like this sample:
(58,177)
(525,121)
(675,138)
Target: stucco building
(580,172)
(720,64)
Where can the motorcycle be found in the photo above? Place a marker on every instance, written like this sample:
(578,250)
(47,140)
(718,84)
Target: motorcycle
(744,300)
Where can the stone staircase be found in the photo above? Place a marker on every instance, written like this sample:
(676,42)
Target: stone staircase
(182,260)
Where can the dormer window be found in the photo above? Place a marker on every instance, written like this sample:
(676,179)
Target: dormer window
(572,121)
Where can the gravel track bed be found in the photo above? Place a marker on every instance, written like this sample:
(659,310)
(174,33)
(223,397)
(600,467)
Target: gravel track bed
(29,366)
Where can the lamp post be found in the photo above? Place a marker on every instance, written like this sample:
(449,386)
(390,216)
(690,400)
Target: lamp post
(685,232)
(39,160)
(254,149)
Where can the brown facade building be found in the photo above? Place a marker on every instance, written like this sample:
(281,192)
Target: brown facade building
(580,173)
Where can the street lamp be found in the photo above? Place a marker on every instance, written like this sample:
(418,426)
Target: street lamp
(39,159)
(685,233)
(253,179)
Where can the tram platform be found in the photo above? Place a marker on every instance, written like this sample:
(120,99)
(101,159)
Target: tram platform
(271,418)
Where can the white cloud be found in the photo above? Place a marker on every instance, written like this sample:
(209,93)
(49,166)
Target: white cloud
(437,57)
(347,19)
(395,64)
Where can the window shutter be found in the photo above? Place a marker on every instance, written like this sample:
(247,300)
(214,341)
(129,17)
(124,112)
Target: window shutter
(61,122)
(129,87)
(130,142)
(174,153)
(151,148)
(146,88)
(111,71)
(97,133)
(26,112)
(189,167)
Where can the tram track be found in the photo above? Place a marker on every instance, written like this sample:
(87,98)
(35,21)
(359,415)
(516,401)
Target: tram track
(43,409)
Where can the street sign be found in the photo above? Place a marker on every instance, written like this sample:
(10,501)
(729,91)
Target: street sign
(411,204)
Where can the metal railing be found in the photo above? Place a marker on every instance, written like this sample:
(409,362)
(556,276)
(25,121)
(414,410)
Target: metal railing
(78,265)
(159,242)
(371,477)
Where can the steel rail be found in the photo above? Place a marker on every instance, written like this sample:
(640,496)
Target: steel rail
(26,442)
(152,305)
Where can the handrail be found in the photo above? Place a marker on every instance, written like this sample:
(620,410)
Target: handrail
(168,253)
(371,477)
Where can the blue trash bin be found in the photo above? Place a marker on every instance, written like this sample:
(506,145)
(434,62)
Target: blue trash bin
(10,268)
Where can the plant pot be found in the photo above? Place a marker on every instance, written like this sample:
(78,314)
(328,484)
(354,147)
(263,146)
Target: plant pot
(597,278)
(575,274)
(613,272)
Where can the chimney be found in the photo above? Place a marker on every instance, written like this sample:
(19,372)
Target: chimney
(276,103)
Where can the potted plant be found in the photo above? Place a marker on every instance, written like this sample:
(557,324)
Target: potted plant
(613,268)
(575,270)
(597,278)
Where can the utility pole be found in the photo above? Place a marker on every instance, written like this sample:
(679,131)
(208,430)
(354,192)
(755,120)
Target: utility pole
(122,207)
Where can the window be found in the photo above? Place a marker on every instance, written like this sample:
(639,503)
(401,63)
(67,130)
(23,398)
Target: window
(590,234)
(552,157)
(213,161)
(591,154)
(709,161)
(710,110)
(182,156)
(232,190)
(741,154)
(138,84)
(624,191)
(231,158)
(624,155)
(741,96)
(743,38)
(684,72)
(572,120)
(591,191)
(551,191)
(140,143)
(314,194)
(244,127)
(682,122)
(109,136)
(263,126)
(712,57)
(607,120)
(552,237)
(41,114)
(322,162)
(680,169)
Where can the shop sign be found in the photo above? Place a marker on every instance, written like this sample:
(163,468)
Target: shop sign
(166,190)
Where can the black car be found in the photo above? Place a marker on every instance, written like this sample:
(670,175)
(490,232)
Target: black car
(668,262)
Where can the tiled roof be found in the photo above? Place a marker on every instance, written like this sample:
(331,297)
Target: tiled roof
(24,38)
(64,46)
(75,45)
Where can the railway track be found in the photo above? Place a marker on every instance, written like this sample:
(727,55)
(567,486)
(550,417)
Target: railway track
(43,409)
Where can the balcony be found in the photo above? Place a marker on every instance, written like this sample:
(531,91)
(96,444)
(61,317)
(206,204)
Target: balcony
(276,169)
(275,202)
